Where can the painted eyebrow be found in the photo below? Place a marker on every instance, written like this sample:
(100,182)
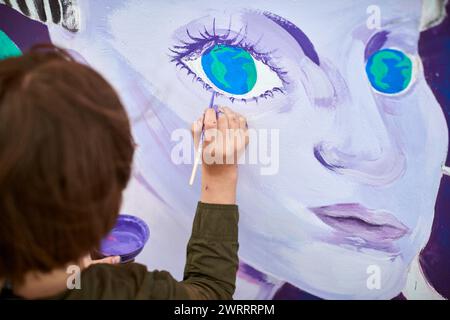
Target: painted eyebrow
(299,36)
(375,43)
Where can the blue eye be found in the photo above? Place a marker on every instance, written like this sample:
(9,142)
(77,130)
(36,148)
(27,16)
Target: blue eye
(389,71)
(231,69)
(229,65)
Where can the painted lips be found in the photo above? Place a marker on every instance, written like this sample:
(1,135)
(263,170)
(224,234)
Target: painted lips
(355,220)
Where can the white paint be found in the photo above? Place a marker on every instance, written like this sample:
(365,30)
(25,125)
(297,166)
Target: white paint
(446,170)
(433,13)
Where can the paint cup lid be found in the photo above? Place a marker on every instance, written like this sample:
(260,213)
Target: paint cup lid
(126,239)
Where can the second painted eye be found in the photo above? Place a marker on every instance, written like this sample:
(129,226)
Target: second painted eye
(389,71)
(231,69)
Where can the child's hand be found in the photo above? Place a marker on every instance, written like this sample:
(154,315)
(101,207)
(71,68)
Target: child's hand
(225,139)
(87,261)
(107,260)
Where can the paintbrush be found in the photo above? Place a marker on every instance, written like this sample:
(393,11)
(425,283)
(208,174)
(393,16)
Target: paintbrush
(198,154)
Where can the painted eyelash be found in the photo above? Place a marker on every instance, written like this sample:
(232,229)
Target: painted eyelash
(205,40)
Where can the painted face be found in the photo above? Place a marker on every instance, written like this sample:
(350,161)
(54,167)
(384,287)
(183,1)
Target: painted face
(361,136)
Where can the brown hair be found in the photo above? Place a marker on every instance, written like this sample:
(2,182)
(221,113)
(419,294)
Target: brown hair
(65,157)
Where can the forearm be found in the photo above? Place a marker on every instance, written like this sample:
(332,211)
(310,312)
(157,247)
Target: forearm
(212,259)
(219,185)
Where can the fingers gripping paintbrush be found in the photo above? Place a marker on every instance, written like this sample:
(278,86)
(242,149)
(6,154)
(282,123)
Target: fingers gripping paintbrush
(199,152)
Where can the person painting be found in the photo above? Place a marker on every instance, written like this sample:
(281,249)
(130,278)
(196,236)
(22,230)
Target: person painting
(66,153)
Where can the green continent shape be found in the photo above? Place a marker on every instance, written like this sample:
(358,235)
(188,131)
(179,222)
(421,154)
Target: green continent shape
(217,67)
(249,68)
(379,69)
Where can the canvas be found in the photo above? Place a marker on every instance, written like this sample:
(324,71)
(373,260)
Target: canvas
(350,137)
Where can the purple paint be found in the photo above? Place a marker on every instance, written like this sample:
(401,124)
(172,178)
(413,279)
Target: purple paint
(355,220)
(251,274)
(126,239)
(375,43)
(23,31)
(289,292)
(299,36)
(318,151)
(434,49)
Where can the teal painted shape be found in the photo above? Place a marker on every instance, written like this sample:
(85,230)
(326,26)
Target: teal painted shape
(7,47)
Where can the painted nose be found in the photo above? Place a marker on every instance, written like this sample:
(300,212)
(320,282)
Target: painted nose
(361,146)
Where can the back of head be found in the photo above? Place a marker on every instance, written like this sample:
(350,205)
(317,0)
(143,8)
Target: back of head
(65,157)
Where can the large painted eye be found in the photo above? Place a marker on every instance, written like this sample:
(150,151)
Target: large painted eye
(389,71)
(234,72)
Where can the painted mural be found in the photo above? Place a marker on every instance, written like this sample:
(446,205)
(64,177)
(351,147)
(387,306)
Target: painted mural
(352,203)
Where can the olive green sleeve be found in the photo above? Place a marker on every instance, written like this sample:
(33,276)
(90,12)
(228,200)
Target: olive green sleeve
(212,259)
(210,271)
